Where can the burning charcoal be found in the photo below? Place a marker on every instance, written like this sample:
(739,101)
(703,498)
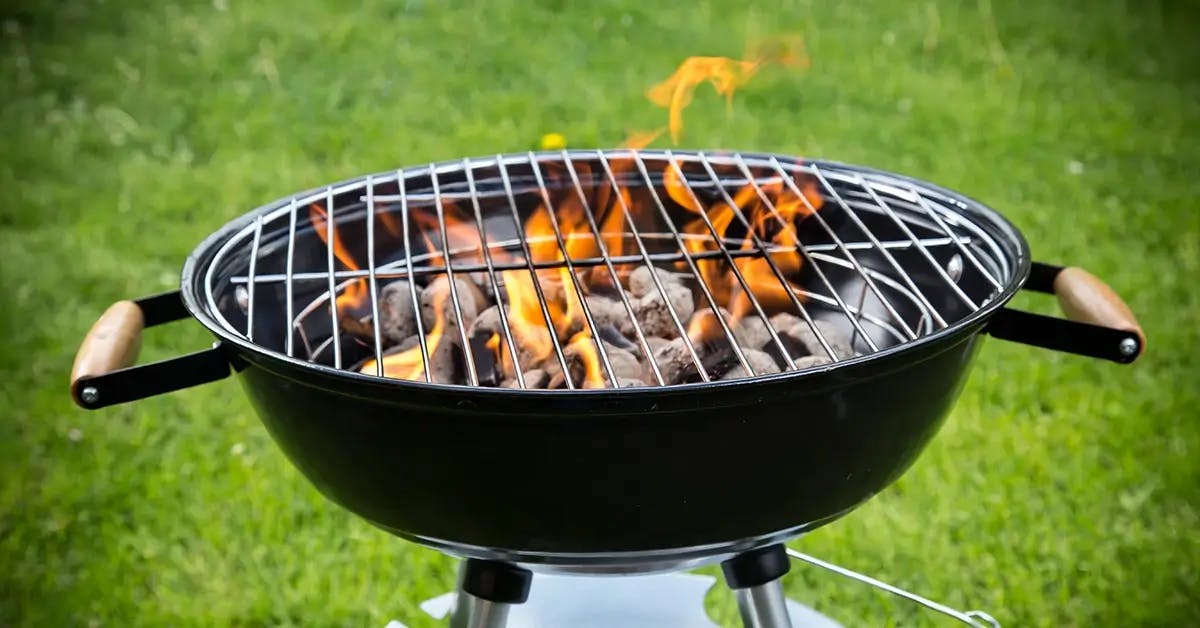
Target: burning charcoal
(629,382)
(486,322)
(674,362)
(761,362)
(811,360)
(408,343)
(535,378)
(795,330)
(469,300)
(656,342)
(641,284)
(624,363)
(611,312)
(396,318)
(444,362)
(751,332)
(613,336)
(556,381)
(655,318)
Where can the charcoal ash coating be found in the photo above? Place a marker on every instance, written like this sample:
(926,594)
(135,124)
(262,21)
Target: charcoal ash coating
(610,312)
(624,363)
(761,362)
(811,360)
(397,319)
(642,284)
(534,378)
(796,330)
(653,315)
(674,362)
(470,298)
(657,342)
(751,332)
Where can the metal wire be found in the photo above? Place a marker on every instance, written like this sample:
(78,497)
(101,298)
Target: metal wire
(975,618)
(455,303)
(412,286)
(589,320)
(537,284)
(501,307)
(253,286)
(372,287)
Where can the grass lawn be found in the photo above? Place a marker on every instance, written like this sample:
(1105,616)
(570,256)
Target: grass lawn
(1062,491)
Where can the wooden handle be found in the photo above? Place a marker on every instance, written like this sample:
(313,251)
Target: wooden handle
(111,344)
(1086,299)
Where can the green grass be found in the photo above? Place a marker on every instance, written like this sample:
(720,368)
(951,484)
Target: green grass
(1063,491)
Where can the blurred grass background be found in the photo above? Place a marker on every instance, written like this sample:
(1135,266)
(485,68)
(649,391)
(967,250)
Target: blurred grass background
(1063,491)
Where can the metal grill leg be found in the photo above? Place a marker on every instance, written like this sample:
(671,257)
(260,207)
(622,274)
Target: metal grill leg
(755,578)
(486,592)
(763,606)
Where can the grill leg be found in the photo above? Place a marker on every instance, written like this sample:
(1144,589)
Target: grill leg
(486,591)
(755,580)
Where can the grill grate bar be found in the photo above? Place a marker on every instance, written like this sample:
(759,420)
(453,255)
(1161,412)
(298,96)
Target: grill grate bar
(641,245)
(807,253)
(335,333)
(455,304)
(373,287)
(958,241)
(950,283)
(397,270)
(253,286)
(537,285)
(289,272)
(548,206)
(501,307)
(837,240)
(607,260)
(937,317)
(412,286)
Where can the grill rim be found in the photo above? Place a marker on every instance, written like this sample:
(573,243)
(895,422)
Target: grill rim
(198,262)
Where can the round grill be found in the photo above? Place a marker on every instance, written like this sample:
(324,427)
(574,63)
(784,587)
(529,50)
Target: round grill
(811,264)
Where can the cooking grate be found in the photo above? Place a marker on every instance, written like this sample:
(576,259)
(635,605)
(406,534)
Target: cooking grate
(884,261)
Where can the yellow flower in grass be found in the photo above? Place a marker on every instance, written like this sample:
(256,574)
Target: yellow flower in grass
(553,141)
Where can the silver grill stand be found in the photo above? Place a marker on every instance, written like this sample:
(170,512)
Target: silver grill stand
(755,578)
(497,595)
(763,606)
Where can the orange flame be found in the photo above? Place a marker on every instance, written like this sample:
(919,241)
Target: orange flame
(725,74)
(355,294)
(410,364)
(585,347)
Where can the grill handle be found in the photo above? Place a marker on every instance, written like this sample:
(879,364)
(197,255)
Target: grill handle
(1098,322)
(104,374)
(1084,298)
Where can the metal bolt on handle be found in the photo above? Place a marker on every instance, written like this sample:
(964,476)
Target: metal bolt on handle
(974,618)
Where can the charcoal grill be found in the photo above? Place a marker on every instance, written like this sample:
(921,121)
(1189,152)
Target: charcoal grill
(892,278)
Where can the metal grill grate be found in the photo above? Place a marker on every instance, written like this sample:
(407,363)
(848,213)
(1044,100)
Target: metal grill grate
(884,260)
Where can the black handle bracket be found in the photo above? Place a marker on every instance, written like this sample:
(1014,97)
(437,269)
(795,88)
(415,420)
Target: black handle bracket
(155,378)
(1060,334)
